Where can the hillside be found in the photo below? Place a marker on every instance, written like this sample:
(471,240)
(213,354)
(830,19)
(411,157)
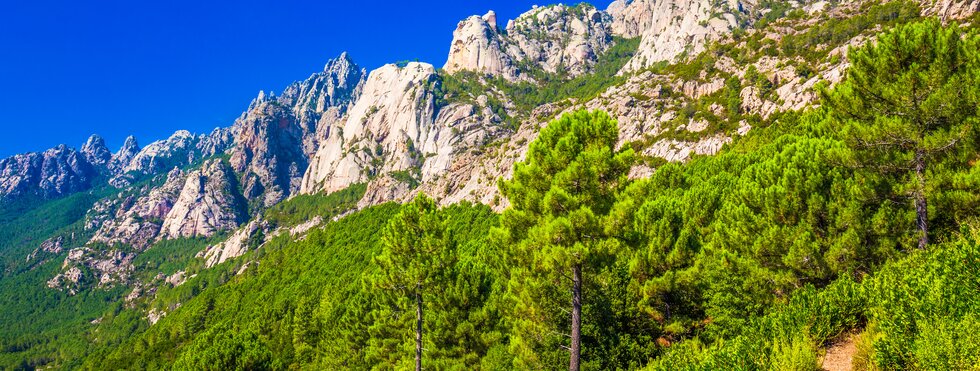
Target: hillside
(733,185)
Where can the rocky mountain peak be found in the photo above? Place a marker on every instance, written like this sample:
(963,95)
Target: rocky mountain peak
(262,97)
(96,152)
(393,110)
(269,152)
(671,28)
(395,126)
(55,172)
(556,38)
(121,159)
(177,150)
(125,154)
(491,19)
(277,136)
(342,64)
(335,86)
(477,46)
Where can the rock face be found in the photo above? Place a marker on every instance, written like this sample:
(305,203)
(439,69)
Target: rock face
(96,152)
(949,9)
(477,46)
(56,172)
(63,171)
(83,267)
(164,154)
(219,141)
(249,236)
(388,129)
(207,204)
(557,39)
(125,155)
(396,127)
(277,135)
(134,219)
(671,28)
(319,101)
(269,152)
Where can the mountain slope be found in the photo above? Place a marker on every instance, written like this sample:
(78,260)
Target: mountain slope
(186,221)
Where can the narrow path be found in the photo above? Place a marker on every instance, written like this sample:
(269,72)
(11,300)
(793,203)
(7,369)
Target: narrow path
(840,355)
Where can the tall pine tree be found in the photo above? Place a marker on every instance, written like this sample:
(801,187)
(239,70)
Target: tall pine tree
(559,196)
(910,102)
(416,254)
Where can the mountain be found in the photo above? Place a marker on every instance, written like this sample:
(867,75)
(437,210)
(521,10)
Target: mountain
(554,38)
(55,172)
(256,242)
(277,136)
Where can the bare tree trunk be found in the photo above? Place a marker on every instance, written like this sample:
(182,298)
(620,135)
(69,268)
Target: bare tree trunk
(921,208)
(575,361)
(418,331)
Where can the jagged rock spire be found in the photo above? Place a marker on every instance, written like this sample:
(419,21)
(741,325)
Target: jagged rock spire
(96,152)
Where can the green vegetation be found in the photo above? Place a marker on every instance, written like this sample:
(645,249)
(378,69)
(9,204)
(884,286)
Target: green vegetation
(756,258)
(836,31)
(300,209)
(408,177)
(310,302)
(416,253)
(910,108)
(857,217)
(28,222)
(919,312)
(553,230)
(557,87)
(56,319)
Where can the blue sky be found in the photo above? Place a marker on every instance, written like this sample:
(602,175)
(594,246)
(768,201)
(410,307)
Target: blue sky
(69,69)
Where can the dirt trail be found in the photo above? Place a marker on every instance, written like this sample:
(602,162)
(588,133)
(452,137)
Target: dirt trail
(840,355)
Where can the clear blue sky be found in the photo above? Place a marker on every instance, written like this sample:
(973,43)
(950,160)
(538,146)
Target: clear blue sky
(69,69)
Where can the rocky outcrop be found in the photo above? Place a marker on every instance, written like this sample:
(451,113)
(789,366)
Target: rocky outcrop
(96,152)
(219,141)
(178,150)
(52,246)
(672,28)
(247,237)
(948,10)
(477,46)
(319,101)
(388,129)
(133,219)
(631,17)
(84,267)
(56,172)
(125,155)
(269,152)
(207,204)
(676,150)
(396,127)
(277,136)
(557,39)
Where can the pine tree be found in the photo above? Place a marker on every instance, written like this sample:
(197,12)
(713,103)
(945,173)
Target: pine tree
(908,103)
(554,226)
(415,255)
